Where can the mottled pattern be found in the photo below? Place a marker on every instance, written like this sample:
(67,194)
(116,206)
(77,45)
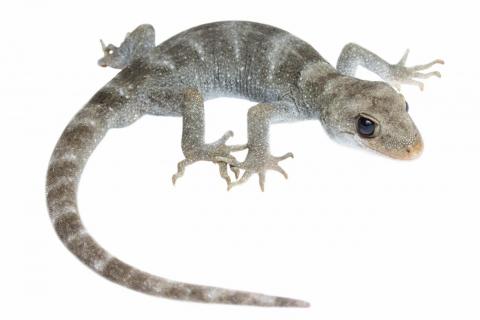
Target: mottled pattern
(288,79)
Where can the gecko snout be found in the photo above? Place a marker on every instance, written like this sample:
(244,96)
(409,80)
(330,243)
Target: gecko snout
(409,151)
(413,150)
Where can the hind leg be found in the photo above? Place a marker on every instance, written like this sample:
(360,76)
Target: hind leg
(189,104)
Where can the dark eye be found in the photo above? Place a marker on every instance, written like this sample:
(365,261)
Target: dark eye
(366,127)
(406,106)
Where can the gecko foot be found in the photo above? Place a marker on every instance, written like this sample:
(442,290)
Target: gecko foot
(405,75)
(136,44)
(211,152)
(256,163)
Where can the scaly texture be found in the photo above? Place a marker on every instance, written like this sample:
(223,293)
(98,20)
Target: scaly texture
(286,76)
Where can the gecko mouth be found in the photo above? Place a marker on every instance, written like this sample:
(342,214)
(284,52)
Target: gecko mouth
(409,152)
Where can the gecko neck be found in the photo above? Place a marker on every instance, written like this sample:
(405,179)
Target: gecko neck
(320,84)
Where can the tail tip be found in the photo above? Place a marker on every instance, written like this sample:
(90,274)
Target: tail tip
(303,304)
(286,302)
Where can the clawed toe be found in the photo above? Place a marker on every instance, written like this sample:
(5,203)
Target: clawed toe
(223,165)
(253,165)
(181,169)
(427,65)
(280,170)
(406,75)
(427,75)
(285,156)
(223,168)
(420,75)
(217,152)
(246,175)
(235,171)
(227,135)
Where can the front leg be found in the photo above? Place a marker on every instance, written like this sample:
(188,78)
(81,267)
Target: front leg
(259,158)
(193,138)
(354,55)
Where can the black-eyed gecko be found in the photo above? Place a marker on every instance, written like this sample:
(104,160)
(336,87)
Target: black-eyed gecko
(285,75)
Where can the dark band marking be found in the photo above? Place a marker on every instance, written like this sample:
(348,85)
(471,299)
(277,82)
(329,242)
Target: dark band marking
(61,170)
(61,198)
(134,74)
(235,298)
(62,192)
(87,250)
(120,272)
(108,97)
(78,137)
(67,225)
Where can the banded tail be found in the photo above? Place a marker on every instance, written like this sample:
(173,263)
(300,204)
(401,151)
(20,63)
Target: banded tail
(78,141)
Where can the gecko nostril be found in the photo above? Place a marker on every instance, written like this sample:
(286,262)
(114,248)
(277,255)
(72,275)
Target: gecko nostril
(414,150)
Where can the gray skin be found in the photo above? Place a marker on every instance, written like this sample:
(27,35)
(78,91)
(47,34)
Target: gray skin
(286,76)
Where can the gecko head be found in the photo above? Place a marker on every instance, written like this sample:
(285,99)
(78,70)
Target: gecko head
(373,116)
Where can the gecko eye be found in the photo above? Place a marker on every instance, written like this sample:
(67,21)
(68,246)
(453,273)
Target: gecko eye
(366,127)
(406,106)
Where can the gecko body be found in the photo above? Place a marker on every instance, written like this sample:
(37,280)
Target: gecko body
(288,79)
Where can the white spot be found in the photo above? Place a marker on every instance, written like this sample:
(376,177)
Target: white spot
(213,294)
(231,30)
(280,43)
(56,213)
(84,119)
(167,61)
(198,48)
(100,264)
(236,47)
(266,300)
(60,182)
(312,70)
(79,234)
(67,156)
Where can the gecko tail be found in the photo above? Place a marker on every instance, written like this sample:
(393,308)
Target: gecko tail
(69,157)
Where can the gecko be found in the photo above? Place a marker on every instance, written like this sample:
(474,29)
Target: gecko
(287,78)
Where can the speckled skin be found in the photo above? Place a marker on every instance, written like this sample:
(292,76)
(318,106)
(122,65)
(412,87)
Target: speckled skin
(286,76)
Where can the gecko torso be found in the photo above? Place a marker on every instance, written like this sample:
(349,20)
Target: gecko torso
(288,79)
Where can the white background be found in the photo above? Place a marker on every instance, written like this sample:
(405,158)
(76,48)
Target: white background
(357,235)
